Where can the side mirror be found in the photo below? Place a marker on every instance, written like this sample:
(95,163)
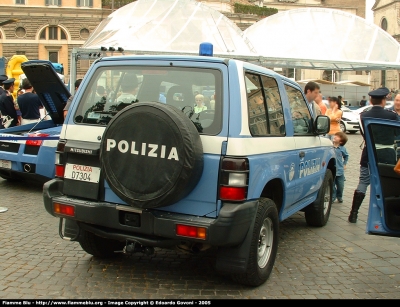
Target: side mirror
(322,125)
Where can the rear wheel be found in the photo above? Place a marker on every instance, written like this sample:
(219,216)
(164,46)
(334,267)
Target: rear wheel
(264,245)
(317,214)
(97,246)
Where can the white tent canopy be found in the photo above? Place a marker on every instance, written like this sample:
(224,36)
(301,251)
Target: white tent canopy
(169,26)
(318,38)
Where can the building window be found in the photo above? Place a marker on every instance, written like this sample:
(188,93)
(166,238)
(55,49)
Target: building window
(53,56)
(53,2)
(20,32)
(53,33)
(86,3)
(19,1)
(62,34)
(43,34)
(384,24)
(84,33)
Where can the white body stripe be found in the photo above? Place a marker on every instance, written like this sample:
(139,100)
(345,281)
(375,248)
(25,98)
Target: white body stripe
(259,145)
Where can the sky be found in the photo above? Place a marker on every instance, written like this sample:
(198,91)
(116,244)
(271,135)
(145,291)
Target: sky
(369,14)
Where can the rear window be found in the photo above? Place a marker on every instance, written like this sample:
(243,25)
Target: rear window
(196,92)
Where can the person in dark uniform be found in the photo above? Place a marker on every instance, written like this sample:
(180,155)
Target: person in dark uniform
(2,79)
(384,137)
(29,103)
(7,102)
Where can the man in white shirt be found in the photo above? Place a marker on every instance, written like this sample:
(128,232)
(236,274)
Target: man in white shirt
(311,91)
(129,86)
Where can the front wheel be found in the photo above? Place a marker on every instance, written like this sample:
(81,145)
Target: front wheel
(317,213)
(342,126)
(264,245)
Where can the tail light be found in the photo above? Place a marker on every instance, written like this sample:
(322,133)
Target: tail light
(36,142)
(60,163)
(191,231)
(234,179)
(64,209)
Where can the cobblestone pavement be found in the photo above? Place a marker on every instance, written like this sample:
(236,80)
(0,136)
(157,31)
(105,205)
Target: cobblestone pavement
(336,261)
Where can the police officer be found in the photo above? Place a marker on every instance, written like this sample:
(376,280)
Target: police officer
(378,100)
(2,79)
(7,102)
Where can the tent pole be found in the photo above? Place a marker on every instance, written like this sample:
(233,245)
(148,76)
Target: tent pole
(72,75)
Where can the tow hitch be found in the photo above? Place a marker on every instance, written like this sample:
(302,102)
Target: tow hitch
(132,247)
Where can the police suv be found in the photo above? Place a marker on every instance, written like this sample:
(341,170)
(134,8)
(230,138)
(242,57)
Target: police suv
(148,165)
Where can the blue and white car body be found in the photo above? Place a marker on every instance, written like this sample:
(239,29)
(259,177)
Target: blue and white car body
(29,155)
(28,151)
(265,140)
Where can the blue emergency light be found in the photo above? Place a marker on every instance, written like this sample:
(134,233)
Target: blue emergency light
(206,49)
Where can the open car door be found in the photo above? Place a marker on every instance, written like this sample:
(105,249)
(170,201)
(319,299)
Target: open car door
(382,138)
(50,88)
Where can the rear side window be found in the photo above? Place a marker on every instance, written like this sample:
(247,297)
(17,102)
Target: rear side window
(264,106)
(195,92)
(302,123)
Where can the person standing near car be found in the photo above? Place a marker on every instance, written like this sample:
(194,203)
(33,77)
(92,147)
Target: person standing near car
(7,102)
(335,114)
(363,102)
(69,101)
(311,91)
(396,105)
(378,101)
(29,104)
(342,157)
(2,79)
(320,103)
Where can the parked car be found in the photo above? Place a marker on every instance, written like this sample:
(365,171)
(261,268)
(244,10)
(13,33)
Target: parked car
(350,121)
(28,151)
(134,173)
(384,207)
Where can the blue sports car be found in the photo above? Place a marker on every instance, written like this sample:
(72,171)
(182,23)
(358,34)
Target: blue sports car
(28,151)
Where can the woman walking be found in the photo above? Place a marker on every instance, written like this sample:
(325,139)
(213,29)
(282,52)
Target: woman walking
(335,114)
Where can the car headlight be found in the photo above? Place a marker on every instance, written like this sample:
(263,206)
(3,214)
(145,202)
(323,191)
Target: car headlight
(345,119)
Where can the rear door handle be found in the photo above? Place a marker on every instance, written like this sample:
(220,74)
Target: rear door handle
(302,154)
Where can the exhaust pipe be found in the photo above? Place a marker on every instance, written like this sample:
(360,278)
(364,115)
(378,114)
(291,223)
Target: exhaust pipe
(27,168)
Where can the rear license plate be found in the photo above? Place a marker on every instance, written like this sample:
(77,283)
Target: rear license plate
(5,164)
(82,173)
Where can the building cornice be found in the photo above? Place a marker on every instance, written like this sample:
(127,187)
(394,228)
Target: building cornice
(11,10)
(376,8)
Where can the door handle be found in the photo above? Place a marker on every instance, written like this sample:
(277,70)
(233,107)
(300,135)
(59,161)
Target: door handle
(302,154)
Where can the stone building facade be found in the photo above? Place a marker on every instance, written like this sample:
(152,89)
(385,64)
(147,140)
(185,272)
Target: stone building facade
(387,16)
(48,29)
(356,7)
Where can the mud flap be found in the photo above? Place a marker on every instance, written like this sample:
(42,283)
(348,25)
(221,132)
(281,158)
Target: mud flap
(234,260)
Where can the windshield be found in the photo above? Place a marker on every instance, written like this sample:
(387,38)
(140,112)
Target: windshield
(196,92)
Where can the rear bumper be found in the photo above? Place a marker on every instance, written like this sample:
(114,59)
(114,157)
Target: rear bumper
(12,174)
(157,228)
